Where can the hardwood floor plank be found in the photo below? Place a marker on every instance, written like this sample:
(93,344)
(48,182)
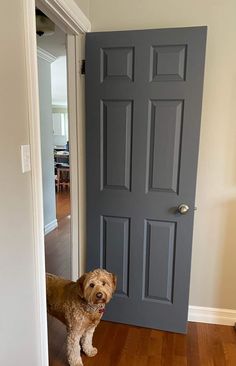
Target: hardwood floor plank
(230,353)
(180,345)
(155,343)
(193,358)
(63,204)
(57,242)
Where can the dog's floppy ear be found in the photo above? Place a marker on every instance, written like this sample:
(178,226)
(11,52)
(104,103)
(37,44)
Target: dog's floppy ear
(80,283)
(114,281)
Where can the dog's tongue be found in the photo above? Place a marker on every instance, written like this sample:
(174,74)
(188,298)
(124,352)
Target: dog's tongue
(101,311)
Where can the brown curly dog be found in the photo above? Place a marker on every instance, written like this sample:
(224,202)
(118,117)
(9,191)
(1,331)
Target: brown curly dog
(80,306)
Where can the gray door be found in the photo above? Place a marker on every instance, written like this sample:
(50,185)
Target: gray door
(143,105)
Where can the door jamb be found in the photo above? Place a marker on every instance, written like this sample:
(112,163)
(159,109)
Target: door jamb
(74,156)
(67,15)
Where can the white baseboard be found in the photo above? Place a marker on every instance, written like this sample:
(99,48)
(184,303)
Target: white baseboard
(211,315)
(51,226)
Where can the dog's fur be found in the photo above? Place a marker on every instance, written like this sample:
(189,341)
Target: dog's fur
(78,306)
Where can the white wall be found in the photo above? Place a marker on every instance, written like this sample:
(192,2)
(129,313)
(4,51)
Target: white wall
(214,249)
(59,81)
(19,325)
(46,130)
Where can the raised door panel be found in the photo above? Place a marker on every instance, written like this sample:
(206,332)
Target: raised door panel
(168,63)
(164,143)
(115,242)
(116,135)
(159,260)
(117,63)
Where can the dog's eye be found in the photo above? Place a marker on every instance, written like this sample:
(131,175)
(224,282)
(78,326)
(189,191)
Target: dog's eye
(103,283)
(91,285)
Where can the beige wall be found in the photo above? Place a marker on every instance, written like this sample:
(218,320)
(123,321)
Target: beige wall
(18,325)
(214,250)
(84,6)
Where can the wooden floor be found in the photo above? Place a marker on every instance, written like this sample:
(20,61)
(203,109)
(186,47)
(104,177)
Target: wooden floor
(123,345)
(63,204)
(57,242)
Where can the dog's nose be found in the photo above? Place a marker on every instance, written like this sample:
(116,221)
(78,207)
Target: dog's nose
(99,295)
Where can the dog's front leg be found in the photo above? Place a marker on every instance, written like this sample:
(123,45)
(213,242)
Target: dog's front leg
(87,342)
(73,347)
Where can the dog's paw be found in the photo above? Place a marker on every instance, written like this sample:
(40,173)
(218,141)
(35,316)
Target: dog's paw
(76,362)
(91,352)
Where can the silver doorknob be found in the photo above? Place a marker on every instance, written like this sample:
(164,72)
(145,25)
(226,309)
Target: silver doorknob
(183,209)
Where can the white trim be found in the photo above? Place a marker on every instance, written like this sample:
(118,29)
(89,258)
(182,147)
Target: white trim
(36,177)
(73,139)
(50,227)
(81,128)
(45,55)
(66,14)
(212,315)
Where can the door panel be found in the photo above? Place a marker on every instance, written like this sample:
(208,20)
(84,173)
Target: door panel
(113,69)
(116,145)
(159,253)
(115,250)
(143,105)
(165,140)
(168,63)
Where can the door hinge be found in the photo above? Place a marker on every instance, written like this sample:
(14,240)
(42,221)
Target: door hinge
(83,67)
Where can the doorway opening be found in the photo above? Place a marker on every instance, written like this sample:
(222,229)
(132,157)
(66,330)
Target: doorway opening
(55,146)
(55,127)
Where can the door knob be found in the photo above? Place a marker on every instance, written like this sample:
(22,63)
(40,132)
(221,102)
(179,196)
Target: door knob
(183,209)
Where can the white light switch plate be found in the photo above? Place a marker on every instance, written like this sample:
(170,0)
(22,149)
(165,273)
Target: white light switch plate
(25,158)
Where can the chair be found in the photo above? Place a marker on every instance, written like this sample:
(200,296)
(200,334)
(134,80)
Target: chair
(63,178)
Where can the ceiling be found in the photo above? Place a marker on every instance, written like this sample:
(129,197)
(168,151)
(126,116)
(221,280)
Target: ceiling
(56,45)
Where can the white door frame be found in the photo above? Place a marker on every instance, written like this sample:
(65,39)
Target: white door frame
(67,15)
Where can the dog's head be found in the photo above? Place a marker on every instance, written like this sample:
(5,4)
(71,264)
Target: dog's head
(97,287)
